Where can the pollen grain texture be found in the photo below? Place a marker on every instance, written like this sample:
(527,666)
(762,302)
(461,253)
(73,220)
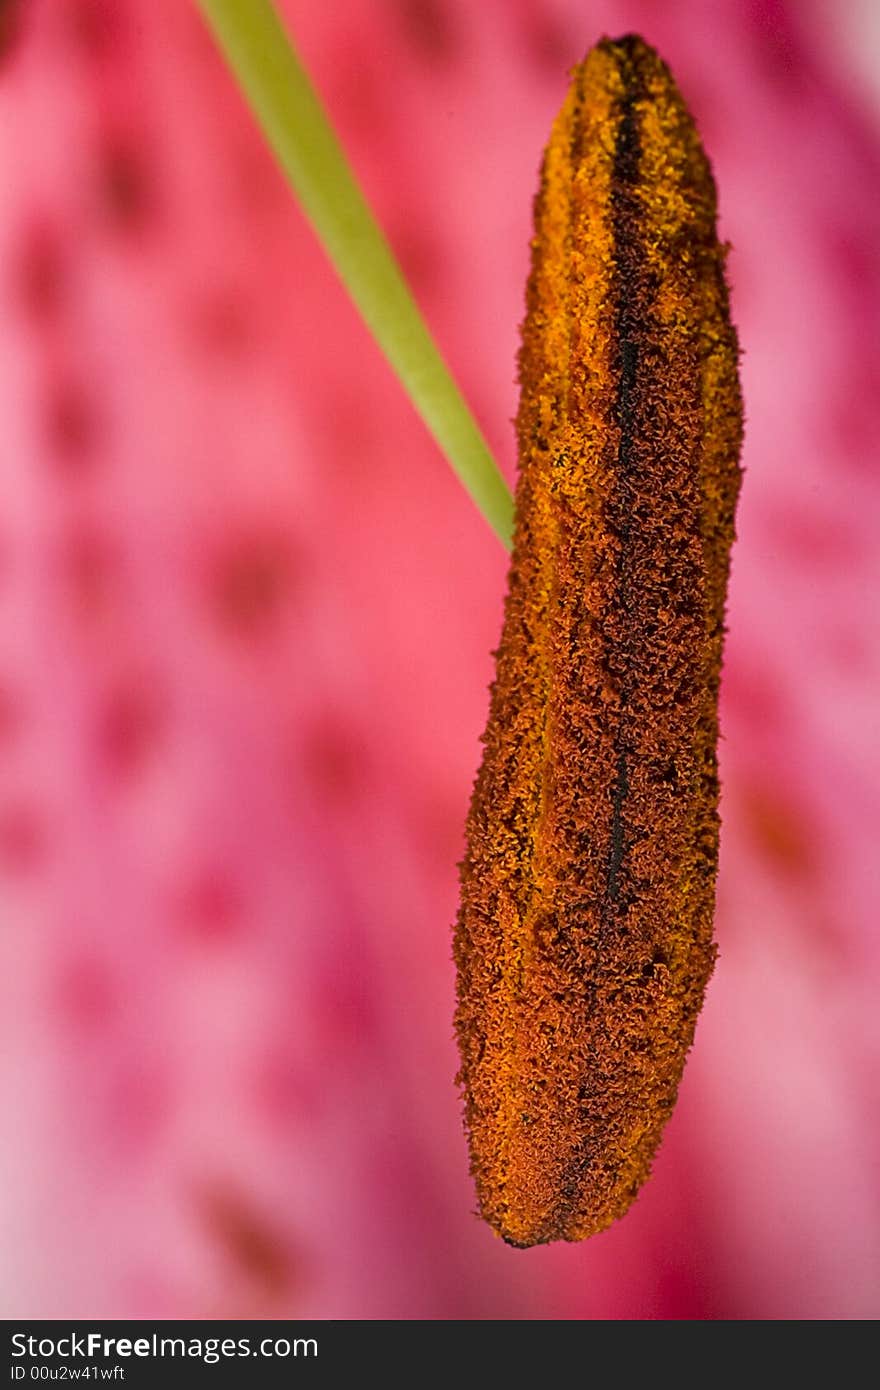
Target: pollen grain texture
(584,938)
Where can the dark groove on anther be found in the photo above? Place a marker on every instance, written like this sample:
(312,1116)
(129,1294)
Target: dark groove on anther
(630,329)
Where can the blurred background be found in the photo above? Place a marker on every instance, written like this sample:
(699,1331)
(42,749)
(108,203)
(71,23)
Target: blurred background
(246,616)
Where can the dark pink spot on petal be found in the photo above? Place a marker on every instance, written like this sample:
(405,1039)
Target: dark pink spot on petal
(85,996)
(41,272)
(813,538)
(348,423)
(345,1010)
(333,758)
(431,28)
(126,194)
(138,1102)
(210,907)
(852,651)
(775,46)
(363,95)
(682,1292)
(756,694)
(23,838)
(71,427)
(547,43)
(10,26)
(221,324)
(251,584)
(93,25)
(285,1091)
(89,566)
(850,414)
(11,715)
(849,251)
(128,728)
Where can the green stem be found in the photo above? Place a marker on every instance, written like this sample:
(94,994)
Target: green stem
(289,111)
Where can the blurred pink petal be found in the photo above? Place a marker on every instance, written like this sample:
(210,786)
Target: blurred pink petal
(246,617)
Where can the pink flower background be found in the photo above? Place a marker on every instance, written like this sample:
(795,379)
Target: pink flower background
(246,616)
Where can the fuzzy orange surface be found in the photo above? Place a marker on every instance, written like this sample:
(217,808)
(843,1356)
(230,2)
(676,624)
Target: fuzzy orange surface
(584,939)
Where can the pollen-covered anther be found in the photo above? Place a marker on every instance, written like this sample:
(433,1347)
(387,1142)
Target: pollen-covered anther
(584,938)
